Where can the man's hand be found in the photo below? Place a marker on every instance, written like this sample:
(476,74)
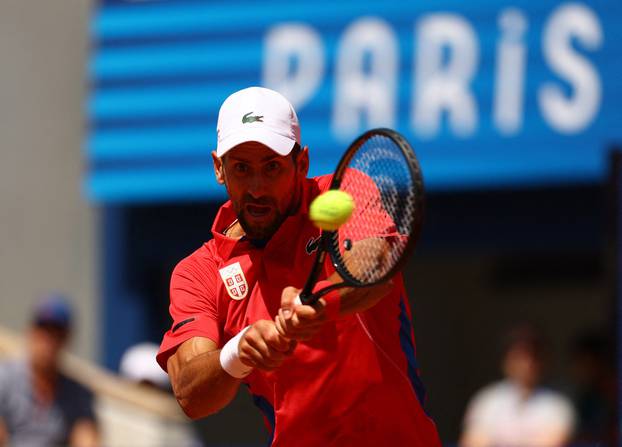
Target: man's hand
(298,321)
(263,347)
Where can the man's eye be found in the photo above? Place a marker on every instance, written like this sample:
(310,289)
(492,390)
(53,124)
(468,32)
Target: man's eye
(240,168)
(273,166)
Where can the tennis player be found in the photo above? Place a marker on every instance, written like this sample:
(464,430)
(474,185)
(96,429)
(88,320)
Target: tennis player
(340,373)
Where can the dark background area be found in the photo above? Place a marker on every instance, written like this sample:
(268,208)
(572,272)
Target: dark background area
(486,260)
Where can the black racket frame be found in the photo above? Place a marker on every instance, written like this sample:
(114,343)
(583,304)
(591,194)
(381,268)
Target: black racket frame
(329,242)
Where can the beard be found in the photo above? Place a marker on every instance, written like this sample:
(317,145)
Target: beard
(254,230)
(260,232)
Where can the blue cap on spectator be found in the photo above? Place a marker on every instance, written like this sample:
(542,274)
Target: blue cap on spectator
(53,310)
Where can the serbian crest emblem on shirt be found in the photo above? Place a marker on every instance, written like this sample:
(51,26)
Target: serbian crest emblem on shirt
(234,280)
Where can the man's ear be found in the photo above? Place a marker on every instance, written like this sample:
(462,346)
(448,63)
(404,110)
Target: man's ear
(218,169)
(303,161)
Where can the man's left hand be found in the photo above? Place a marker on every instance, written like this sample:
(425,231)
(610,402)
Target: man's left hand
(299,321)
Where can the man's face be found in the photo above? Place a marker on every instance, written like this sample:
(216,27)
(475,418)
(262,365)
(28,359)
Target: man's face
(523,366)
(46,343)
(263,186)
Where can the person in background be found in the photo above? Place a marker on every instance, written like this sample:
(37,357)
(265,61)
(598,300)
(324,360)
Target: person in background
(139,365)
(518,411)
(39,406)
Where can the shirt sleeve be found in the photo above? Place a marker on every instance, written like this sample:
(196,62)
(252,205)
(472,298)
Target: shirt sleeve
(193,306)
(76,403)
(558,414)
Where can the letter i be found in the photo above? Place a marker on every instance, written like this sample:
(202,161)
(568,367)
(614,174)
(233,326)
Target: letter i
(510,72)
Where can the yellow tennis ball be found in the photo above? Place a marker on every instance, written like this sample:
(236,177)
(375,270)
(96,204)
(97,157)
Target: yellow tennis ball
(330,210)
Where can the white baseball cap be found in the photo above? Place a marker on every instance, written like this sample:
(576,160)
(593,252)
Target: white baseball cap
(257,114)
(138,364)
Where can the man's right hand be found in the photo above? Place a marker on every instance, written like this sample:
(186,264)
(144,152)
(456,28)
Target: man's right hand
(263,347)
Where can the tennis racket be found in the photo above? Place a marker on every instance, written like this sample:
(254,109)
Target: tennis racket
(381,173)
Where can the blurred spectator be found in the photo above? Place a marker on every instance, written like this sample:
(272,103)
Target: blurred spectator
(518,411)
(39,406)
(595,395)
(139,365)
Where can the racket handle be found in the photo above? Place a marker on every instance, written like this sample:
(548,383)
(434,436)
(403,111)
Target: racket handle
(307,298)
(306,294)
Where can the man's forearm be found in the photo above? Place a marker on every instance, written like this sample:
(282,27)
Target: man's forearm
(200,384)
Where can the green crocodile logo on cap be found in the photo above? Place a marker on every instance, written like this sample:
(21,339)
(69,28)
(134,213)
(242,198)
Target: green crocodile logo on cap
(251,119)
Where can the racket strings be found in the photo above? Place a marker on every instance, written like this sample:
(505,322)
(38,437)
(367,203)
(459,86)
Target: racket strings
(387,201)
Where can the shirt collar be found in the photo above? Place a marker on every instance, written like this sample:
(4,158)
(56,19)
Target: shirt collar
(224,244)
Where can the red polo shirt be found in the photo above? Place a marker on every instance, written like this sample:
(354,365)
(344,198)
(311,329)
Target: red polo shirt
(355,383)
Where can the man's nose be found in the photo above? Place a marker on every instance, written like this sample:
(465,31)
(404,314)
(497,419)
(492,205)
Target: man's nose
(255,186)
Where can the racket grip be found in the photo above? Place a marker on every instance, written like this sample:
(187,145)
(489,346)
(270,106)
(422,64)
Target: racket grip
(319,290)
(306,294)
(327,290)
(307,298)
